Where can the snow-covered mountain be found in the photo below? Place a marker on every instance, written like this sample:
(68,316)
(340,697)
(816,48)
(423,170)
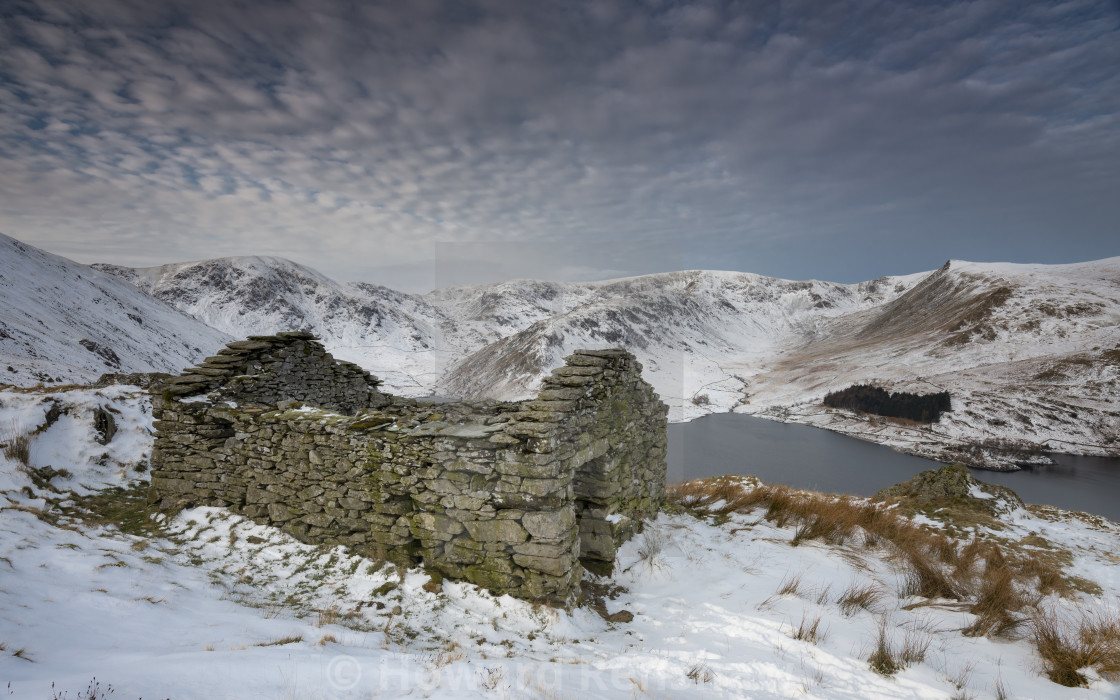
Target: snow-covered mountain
(397,336)
(65,322)
(683,326)
(1028,352)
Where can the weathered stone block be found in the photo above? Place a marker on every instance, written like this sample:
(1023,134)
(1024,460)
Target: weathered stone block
(443,527)
(508,531)
(549,526)
(280,513)
(549,565)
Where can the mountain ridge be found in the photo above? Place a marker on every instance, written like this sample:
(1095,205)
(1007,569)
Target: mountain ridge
(1020,346)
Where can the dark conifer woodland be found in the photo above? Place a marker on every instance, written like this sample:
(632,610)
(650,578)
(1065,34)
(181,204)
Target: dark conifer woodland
(924,408)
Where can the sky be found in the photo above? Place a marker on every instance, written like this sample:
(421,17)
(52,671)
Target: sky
(424,144)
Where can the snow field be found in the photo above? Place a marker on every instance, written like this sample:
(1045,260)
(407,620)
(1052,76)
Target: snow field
(209,604)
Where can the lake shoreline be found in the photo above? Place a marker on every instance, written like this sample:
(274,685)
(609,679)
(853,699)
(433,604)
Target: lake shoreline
(831,461)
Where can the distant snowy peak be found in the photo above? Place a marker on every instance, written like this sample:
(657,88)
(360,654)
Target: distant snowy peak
(62,321)
(412,340)
(397,336)
(966,305)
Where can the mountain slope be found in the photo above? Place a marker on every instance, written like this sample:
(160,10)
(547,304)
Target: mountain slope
(1027,351)
(65,322)
(682,325)
(1030,354)
(398,336)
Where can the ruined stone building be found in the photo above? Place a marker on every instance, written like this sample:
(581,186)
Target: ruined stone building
(516,497)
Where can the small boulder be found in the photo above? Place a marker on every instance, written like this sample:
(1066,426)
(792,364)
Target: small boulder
(621,616)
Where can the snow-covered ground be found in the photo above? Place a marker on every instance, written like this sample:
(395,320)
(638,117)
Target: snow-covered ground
(62,322)
(211,605)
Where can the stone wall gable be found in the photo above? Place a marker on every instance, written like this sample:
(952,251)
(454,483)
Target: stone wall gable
(269,369)
(509,496)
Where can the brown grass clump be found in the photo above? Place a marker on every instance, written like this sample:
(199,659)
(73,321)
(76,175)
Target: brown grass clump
(998,599)
(883,658)
(927,579)
(1069,645)
(290,639)
(17,444)
(790,585)
(808,630)
(994,575)
(859,597)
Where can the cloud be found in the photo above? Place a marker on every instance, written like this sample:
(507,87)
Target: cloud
(840,140)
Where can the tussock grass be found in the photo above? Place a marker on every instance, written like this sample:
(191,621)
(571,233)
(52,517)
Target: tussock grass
(1069,644)
(927,579)
(915,645)
(448,654)
(327,616)
(860,597)
(17,444)
(883,658)
(290,639)
(887,657)
(998,600)
(996,577)
(790,585)
(808,630)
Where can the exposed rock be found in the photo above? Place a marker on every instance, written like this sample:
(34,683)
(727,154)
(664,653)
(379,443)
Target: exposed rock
(950,485)
(104,425)
(621,616)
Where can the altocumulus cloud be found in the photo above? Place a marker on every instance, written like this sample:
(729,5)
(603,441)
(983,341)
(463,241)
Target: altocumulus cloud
(421,143)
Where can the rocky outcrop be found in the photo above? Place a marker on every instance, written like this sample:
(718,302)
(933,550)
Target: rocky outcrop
(951,485)
(510,496)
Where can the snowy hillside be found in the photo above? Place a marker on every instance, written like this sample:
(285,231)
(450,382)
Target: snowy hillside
(683,326)
(505,337)
(1029,352)
(718,598)
(65,322)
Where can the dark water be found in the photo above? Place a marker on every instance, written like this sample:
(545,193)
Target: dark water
(821,460)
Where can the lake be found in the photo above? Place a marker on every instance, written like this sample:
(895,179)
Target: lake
(821,460)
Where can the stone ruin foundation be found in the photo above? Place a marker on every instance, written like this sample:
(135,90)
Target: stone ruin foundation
(516,497)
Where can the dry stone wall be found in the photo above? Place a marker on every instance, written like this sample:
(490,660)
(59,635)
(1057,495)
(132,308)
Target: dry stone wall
(515,497)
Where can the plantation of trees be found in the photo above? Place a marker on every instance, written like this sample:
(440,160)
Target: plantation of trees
(924,408)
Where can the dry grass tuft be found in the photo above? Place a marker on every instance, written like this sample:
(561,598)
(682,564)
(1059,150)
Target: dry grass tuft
(790,585)
(290,639)
(883,658)
(808,630)
(997,600)
(17,444)
(915,644)
(327,616)
(860,597)
(1066,646)
(700,673)
(450,653)
(926,578)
